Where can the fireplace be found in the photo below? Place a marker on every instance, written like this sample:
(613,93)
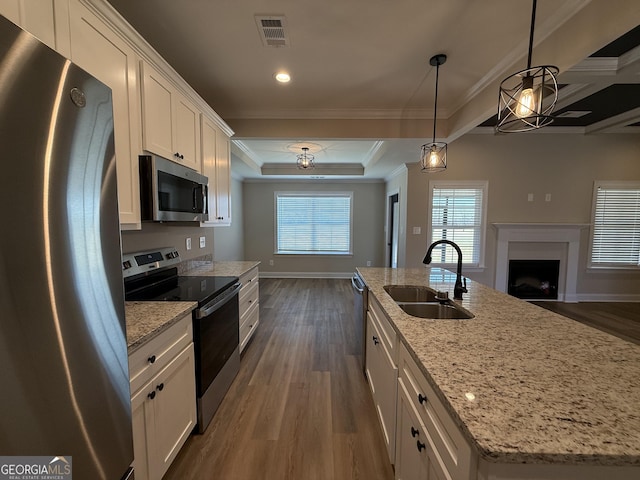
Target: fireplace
(534,279)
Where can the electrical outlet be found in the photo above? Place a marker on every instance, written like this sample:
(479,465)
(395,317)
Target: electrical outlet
(530,197)
(547,197)
(417,230)
(203,242)
(271,263)
(368,263)
(188,243)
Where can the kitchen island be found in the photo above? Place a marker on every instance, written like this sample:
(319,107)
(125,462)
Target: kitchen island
(535,394)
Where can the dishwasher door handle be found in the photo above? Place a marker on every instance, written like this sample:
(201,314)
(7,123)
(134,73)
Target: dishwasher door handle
(354,279)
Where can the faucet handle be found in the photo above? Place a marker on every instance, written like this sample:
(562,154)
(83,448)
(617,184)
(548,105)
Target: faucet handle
(464,284)
(442,296)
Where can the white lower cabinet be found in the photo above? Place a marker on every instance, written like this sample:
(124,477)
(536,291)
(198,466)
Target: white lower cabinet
(429,444)
(249,306)
(382,372)
(164,406)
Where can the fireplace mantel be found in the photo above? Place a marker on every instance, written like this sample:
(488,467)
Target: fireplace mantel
(539,233)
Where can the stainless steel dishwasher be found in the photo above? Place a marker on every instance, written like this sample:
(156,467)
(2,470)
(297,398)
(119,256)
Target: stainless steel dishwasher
(360,302)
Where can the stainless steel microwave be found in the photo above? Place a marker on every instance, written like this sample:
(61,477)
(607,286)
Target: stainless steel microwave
(170,192)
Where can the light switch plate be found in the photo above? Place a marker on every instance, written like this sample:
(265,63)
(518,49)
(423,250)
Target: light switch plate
(417,230)
(188,243)
(203,242)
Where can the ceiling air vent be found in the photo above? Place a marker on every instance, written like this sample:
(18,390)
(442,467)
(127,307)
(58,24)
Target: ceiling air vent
(272,30)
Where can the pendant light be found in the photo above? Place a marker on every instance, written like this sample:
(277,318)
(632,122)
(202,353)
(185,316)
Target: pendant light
(433,156)
(528,97)
(305,159)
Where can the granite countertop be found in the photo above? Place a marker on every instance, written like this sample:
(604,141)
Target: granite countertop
(146,320)
(546,389)
(221,269)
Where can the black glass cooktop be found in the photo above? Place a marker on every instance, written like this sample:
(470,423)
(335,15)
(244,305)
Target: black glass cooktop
(183,289)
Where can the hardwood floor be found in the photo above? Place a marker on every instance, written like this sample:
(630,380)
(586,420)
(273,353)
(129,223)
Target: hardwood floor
(300,408)
(621,319)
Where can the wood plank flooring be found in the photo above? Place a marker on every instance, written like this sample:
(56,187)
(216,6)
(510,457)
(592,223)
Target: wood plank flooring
(300,408)
(621,319)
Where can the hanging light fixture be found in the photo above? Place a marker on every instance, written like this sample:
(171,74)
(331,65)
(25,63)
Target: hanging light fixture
(528,97)
(433,156)
(305,159)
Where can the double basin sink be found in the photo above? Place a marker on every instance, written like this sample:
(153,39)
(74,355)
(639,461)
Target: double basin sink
(424,302)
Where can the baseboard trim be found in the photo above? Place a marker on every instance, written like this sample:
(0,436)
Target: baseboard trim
(340,275)
(608,297)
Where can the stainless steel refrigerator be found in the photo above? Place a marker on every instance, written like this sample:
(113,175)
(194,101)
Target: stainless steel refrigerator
(64,380)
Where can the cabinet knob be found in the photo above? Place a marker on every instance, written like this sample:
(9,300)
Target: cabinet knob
(421,398)
(421,446)
(152,395)
(375,340)
(181,157)
(152,359)
(177,154)
(414,432)
(160,387)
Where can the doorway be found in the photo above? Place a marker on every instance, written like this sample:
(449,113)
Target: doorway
(393,231)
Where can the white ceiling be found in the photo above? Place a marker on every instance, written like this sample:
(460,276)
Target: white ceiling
(362,89)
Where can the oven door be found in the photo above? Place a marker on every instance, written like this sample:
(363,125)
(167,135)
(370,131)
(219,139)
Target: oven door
(216,338)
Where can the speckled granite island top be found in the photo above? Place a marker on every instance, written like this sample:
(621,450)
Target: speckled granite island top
(146,320)
(546,389)
(221,269)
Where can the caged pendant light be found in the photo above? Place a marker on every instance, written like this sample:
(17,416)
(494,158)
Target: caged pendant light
(433,156)
(528,97)
(305,159)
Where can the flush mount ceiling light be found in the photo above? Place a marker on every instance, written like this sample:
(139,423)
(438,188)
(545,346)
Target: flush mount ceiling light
(528,97)
(433,156)
(282,77)
(305,159)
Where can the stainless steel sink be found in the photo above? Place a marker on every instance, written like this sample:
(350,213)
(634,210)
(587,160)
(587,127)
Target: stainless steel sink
(435,310)
(410,293)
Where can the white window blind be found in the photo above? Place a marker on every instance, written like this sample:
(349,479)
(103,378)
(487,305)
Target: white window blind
(313,223)
(458,214)
(616,225)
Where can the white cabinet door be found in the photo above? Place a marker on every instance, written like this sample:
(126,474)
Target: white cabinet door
(174,408)
(171,123)
(157,113)
(382,375)
(164,414)
(216,165)
(97,49)
(412,462)
(142,415)
(35,16)
(187,128)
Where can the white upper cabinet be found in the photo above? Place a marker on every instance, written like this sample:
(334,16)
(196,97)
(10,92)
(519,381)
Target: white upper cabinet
(35,16)
(170,121)
(216,165)
(97,49)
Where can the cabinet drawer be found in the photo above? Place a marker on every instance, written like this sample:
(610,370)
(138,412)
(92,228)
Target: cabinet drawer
(388,335)
(249,278)
(447,449)
(149,359)
(248,324)
(249,296)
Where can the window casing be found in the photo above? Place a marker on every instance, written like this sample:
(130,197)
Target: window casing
(314,223)
(615,227)
(458,212)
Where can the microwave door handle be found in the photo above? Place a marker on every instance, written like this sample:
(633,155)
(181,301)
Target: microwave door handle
(205,198)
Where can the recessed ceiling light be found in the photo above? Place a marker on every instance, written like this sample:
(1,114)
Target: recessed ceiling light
(283,77)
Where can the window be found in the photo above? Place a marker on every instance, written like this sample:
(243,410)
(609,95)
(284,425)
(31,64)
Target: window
(615,240)
(458,213)
(313,223)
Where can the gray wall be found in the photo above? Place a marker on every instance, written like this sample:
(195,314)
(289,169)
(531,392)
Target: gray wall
(228,242)
(515,165)
(368,229)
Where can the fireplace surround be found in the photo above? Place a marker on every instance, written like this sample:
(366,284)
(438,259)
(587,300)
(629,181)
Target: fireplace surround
(542,233)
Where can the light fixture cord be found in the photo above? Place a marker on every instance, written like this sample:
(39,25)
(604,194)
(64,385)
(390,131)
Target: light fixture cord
(533,21)
(435,104)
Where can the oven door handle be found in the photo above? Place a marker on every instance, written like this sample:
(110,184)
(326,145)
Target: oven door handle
(218,302)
